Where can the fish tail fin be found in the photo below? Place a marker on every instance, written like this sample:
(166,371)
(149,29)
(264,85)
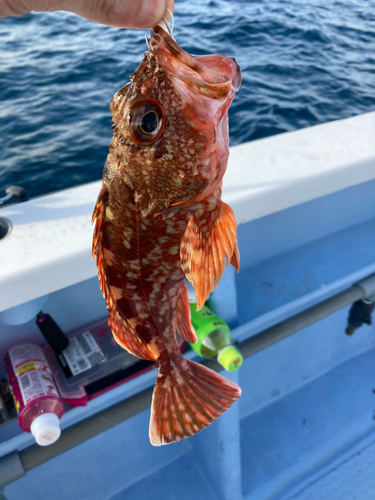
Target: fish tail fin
(188,399)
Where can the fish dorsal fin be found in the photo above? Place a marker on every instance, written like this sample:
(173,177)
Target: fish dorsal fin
(182,318)
(210,237)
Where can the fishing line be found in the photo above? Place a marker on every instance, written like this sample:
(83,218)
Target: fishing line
(166,23)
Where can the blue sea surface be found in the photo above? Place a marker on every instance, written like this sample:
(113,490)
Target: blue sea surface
(303,63)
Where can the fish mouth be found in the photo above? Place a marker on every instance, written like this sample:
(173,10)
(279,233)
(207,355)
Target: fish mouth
(215,76)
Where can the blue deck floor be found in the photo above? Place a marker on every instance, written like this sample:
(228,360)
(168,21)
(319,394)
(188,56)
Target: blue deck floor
(303,435)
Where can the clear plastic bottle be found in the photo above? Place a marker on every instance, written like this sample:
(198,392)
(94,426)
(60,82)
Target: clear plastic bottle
(37,401)
(214,338)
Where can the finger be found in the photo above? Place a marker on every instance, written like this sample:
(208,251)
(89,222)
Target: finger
(12,8)
(120,13)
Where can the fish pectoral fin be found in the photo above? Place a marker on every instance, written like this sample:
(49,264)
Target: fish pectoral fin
(209,239)
(182,317)
(187,400)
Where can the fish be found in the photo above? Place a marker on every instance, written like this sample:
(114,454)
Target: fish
(159,219)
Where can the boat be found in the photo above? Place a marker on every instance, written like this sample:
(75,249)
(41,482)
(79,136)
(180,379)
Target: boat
(305,425)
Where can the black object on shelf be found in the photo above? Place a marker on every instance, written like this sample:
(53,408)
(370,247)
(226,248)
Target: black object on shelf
(359,313)
(109,381)
(8,410)
(52,333)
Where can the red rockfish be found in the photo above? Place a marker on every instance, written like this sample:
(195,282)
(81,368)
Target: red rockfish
(160,218)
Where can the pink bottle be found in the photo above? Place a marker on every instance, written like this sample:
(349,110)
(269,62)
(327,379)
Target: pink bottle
(37,401)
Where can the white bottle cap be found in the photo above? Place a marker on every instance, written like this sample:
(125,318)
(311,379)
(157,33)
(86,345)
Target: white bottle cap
(46,429)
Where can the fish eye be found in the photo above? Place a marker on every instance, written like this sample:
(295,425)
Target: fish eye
(147,121)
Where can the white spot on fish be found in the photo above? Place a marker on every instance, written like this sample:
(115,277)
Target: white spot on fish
(138,307)
(171,230)
(156,250)
(116,292)
(143,315)
(109,213)
(109,257)
(167,384)
(132,264)
(164,308)
(130,274)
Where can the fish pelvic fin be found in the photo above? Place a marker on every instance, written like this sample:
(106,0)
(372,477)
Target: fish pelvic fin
(235,260)
(182,317)
(209,239)
(126,336)
(187,400)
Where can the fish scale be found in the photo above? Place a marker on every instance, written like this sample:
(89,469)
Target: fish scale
(159,218)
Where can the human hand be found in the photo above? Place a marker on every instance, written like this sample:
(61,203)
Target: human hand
(120,13)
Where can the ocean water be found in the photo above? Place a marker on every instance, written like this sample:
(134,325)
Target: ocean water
(303,63)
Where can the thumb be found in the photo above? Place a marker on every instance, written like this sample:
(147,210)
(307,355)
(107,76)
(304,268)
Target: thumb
(120,13)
